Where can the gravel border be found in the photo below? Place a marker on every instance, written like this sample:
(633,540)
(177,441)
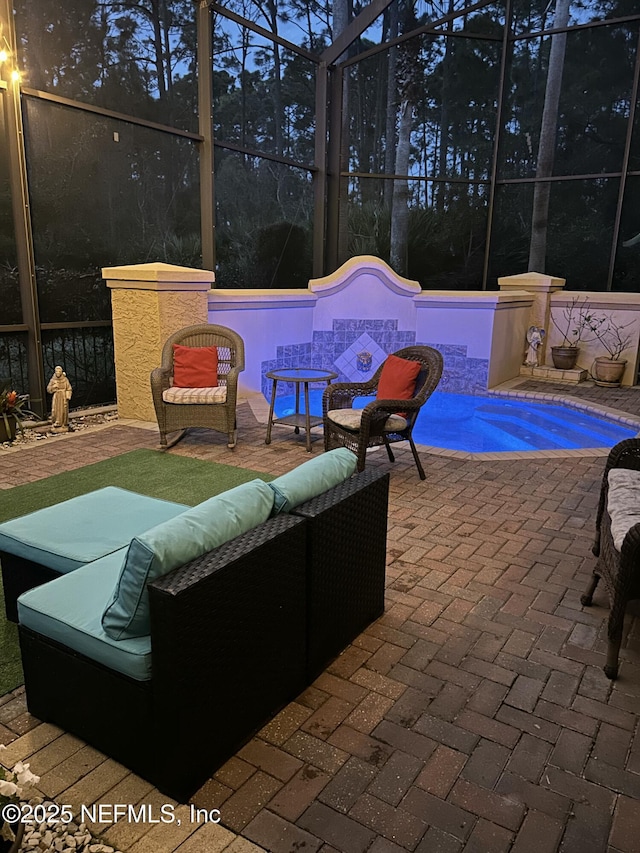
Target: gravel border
(43,431)
(57,837)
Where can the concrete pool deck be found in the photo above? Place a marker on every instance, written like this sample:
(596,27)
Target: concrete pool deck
(472,716)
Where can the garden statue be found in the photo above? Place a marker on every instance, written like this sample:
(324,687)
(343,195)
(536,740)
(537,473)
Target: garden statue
(61,389)
(535,336)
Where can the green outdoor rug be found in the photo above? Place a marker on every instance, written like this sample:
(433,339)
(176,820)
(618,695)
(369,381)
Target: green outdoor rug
(149,472)
(10,662)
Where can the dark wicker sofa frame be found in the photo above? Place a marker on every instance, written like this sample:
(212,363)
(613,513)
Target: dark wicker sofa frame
(174,417)
(19,575)
(619,569)
(235,635)
(340,395)
(346,558)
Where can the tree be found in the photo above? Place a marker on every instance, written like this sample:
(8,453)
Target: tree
(547,143)
(390,119)
(407,77)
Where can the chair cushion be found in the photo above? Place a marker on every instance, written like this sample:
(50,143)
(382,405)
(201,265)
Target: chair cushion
(350,419)
(312,478)
(398,379)
(195,367)
(623,502)
(74,532)
(216,394)
(166,547)
(69,608)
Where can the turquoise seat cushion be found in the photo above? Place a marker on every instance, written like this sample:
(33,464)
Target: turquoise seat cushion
(312,478)
(69,610)
(175,542)
(82,529)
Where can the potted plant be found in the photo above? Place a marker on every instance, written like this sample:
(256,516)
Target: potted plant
(574,327)
(12,785)
(608,369)
(12,411)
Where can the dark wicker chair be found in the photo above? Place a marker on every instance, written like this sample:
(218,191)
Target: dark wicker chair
(221,416)
(619,569)
(373,429)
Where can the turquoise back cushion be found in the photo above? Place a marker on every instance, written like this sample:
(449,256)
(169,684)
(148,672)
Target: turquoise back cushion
(312,478)
(174,543)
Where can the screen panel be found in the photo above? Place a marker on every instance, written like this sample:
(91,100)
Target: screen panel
(104,193)
(264,215)
(133,58)
(431,232)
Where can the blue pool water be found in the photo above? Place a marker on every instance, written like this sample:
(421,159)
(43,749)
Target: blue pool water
(480,424)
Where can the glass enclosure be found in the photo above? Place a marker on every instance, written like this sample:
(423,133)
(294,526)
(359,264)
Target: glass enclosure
(272,141)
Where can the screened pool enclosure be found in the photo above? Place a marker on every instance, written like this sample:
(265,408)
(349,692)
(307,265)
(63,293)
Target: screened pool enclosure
(271,140)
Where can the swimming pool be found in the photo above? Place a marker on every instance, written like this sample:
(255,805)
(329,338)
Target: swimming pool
(483,424)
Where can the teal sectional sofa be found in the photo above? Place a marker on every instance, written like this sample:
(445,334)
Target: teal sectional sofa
(169,651)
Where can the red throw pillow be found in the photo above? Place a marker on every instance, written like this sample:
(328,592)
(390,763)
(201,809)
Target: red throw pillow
(195,367)
(398,379)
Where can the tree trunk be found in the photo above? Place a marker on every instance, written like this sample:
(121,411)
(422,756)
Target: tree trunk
(157,47)
(441,191)
(547,144)
(243,92)
(398,254)
(341,17)
(408,72)
(390,128)
(278,110)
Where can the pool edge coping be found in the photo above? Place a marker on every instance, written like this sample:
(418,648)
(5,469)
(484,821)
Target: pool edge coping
(260,409)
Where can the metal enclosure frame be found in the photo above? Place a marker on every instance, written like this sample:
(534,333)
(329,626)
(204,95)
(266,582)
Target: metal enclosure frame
(328,171)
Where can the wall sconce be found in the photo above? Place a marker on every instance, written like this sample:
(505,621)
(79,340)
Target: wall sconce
(3,58)
(14,75)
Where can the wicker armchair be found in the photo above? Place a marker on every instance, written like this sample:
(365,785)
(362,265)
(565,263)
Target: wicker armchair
(220,416)
(619,569)
(377,426)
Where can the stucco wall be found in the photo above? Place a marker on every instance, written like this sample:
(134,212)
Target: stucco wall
(141,325)
(150,302)
(624,309)
(364,307)
(267,321)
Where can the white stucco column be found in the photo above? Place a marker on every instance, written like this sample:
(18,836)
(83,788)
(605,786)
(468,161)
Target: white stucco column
(149,302)
(541,287)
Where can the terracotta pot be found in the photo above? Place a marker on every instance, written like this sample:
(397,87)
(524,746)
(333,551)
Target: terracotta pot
(564,358)
(607,371)
(11,434)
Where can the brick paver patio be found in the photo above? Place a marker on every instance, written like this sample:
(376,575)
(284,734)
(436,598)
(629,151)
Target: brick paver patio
(474,715)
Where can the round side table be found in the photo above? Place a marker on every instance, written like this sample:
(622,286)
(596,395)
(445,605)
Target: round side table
(299,376)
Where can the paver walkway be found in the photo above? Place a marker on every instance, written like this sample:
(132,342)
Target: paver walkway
(474,715)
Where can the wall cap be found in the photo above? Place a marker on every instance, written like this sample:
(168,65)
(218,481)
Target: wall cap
(246,299)
(158,276)
(363,265)
(599,300)
(467,299)
(535,281)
